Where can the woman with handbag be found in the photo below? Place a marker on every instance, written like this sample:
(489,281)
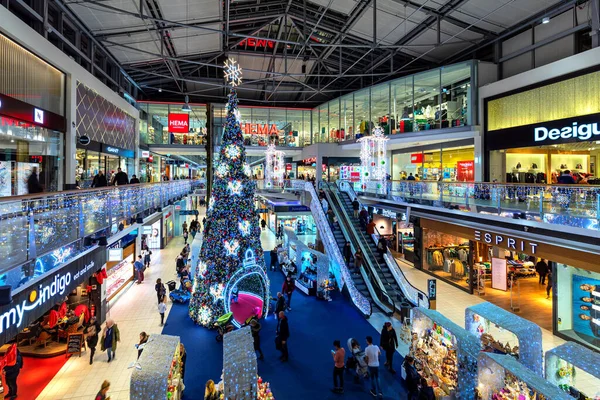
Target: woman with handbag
(91,332)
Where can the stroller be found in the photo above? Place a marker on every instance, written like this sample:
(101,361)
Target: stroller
(224,326)
(357,360)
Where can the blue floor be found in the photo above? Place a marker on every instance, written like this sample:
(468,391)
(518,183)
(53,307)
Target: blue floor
(314,325)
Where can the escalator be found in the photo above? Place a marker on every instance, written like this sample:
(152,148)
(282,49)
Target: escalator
(382,276)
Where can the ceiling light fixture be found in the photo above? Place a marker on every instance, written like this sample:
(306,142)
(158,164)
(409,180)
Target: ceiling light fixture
(159,90)
(546,20)
(186,107)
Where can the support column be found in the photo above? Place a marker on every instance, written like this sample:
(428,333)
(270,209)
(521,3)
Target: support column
(595,22)
(70,136)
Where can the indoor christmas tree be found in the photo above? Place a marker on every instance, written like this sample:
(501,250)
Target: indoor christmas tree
(231,273)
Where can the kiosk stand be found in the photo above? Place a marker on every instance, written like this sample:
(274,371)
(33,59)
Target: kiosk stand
(313,266)
(503,332)
(575,369)
(502,377)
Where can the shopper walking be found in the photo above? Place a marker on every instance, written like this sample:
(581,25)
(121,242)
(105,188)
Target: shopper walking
(102,394)
(339,354)
(549,285)
(161,291)
(325,205)
(347,252)
(140,346)
(33,183)
(289,285)
(389,343)
(358,260)
(184,226)
(412,378)
(91,336)
(147,253)
(273,257)
(355,207)
(282,336)
(139,268)
(110,337)
(363,216)
(120,178)
(372,353)
(542,269)
(255,328)
(185,236)
(99,180)
(280,304)
(11,373)
(162,309)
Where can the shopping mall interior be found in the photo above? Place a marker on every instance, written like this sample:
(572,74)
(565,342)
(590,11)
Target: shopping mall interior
(300,199)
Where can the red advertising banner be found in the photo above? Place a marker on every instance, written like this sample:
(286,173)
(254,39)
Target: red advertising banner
(465,171)
(416,158)
(179,123)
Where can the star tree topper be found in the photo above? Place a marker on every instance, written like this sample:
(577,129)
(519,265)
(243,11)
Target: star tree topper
(233,72)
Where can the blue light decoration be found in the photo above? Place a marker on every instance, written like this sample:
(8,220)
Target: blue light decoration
(562,361)
(528,334)
(239,366)
(467,347)
(502,375)
(225,245)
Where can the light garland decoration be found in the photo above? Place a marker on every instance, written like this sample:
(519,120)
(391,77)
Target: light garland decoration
(232,227)
(563,362)
(274,166)
(216,290)
(233,73)
(247,170)
(373,150)
(222,170)
(239,366)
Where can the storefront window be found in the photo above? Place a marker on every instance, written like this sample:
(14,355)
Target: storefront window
(403,165)
(446,256)
(380,106)
(402,106)
(578,311)
(435,163)
(315,126)
(335,134)
(456,91)
(427,100)
(458,164)
(25,147)
(362,117)
(295,129)
(306,115)
(347,117)
(154,128)
(323,124)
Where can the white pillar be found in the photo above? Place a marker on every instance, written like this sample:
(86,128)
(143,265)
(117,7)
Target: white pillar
(71,133)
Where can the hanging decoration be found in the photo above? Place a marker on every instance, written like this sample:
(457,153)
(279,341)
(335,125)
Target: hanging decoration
(233,74)
(274,168)
(372,156)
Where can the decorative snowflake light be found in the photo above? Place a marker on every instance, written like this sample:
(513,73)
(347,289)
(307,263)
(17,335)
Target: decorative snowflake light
(247,170)
(233,151)
(216,290)
(222,170)
(205,315)
(235,187)
(233,72)
(61,255)
(211,203)
(231,247)
(244,227)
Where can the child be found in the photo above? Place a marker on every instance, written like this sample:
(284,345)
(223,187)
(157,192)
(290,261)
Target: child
(162,308)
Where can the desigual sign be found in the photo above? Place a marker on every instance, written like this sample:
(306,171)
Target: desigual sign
(506,242)
(179,123)
(259,129)
(581,132)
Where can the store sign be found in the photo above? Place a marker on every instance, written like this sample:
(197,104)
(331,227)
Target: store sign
(117,151)
(112,150)
(288,167)
(432,289)
(416,158)
(257,43)
(145,153)
(115,254)
(84,140)
(506,242)
(179,123)
(259,129)
(465,171)
(582,132)
(31,303)
(147,230)
(24,112)
(38,116)
(310,160)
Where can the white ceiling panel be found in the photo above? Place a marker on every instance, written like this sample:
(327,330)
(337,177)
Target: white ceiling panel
(145,42)
(393,22)
(510,14)
(473,20)
(191,10)
(429,38)
(195,41)
(342,6)
(100,19)
(435,4)
(261,62)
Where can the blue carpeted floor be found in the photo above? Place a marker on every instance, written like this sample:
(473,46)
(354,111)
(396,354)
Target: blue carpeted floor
(314,325)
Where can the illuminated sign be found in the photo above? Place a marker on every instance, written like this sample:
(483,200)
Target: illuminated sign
(38,115)
(179,123)
(310,160)
(145,153)
(112,150)
(581,132)
(506,242)
(115,254)
(416,158)
(258,43)
(259,129)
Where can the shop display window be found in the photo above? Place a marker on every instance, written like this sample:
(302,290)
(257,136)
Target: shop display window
(575,369)
(456,94)
(380,107)
(335,132)
(323,132)
(427,100)
(119,274)
(347,117)
(447,256)
(402,106)
(362,117)
(578,311)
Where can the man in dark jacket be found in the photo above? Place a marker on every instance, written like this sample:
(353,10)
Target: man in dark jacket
(91,333)
(389,343)
(134,179)
(347,252)
(11,373)
(100,180)
(280,305)
(412,378)
(542,269)
(120,178)
(283,334)
(33,184)
(566,178)
(355,207)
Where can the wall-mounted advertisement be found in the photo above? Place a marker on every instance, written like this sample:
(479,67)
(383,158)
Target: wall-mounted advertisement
(24,171)
(465,171)
(5,181)
(499,272)
(352,173)
(586,307)
(154,237)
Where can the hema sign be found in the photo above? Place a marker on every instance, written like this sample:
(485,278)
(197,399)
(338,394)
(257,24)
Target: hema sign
(179,123)
(32,302)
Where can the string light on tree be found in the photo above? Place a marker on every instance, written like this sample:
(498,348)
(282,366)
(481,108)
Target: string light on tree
(233,151)
(244,228)
(222,170)
(235,187)
(231,247)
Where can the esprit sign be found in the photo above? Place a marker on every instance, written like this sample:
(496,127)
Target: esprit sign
(179,123)
(257,43)
(259,129)
(506,242)
(574,130)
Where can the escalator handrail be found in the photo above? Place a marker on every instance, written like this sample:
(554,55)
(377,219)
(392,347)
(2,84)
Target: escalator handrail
(411,292)
(361,302)
(385,289)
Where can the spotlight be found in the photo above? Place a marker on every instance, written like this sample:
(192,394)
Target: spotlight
(546,20)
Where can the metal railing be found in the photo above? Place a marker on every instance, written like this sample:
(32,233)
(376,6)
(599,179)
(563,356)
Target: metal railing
(414,295)
(571,205)
(331,248)
(383,290)
(39,225)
